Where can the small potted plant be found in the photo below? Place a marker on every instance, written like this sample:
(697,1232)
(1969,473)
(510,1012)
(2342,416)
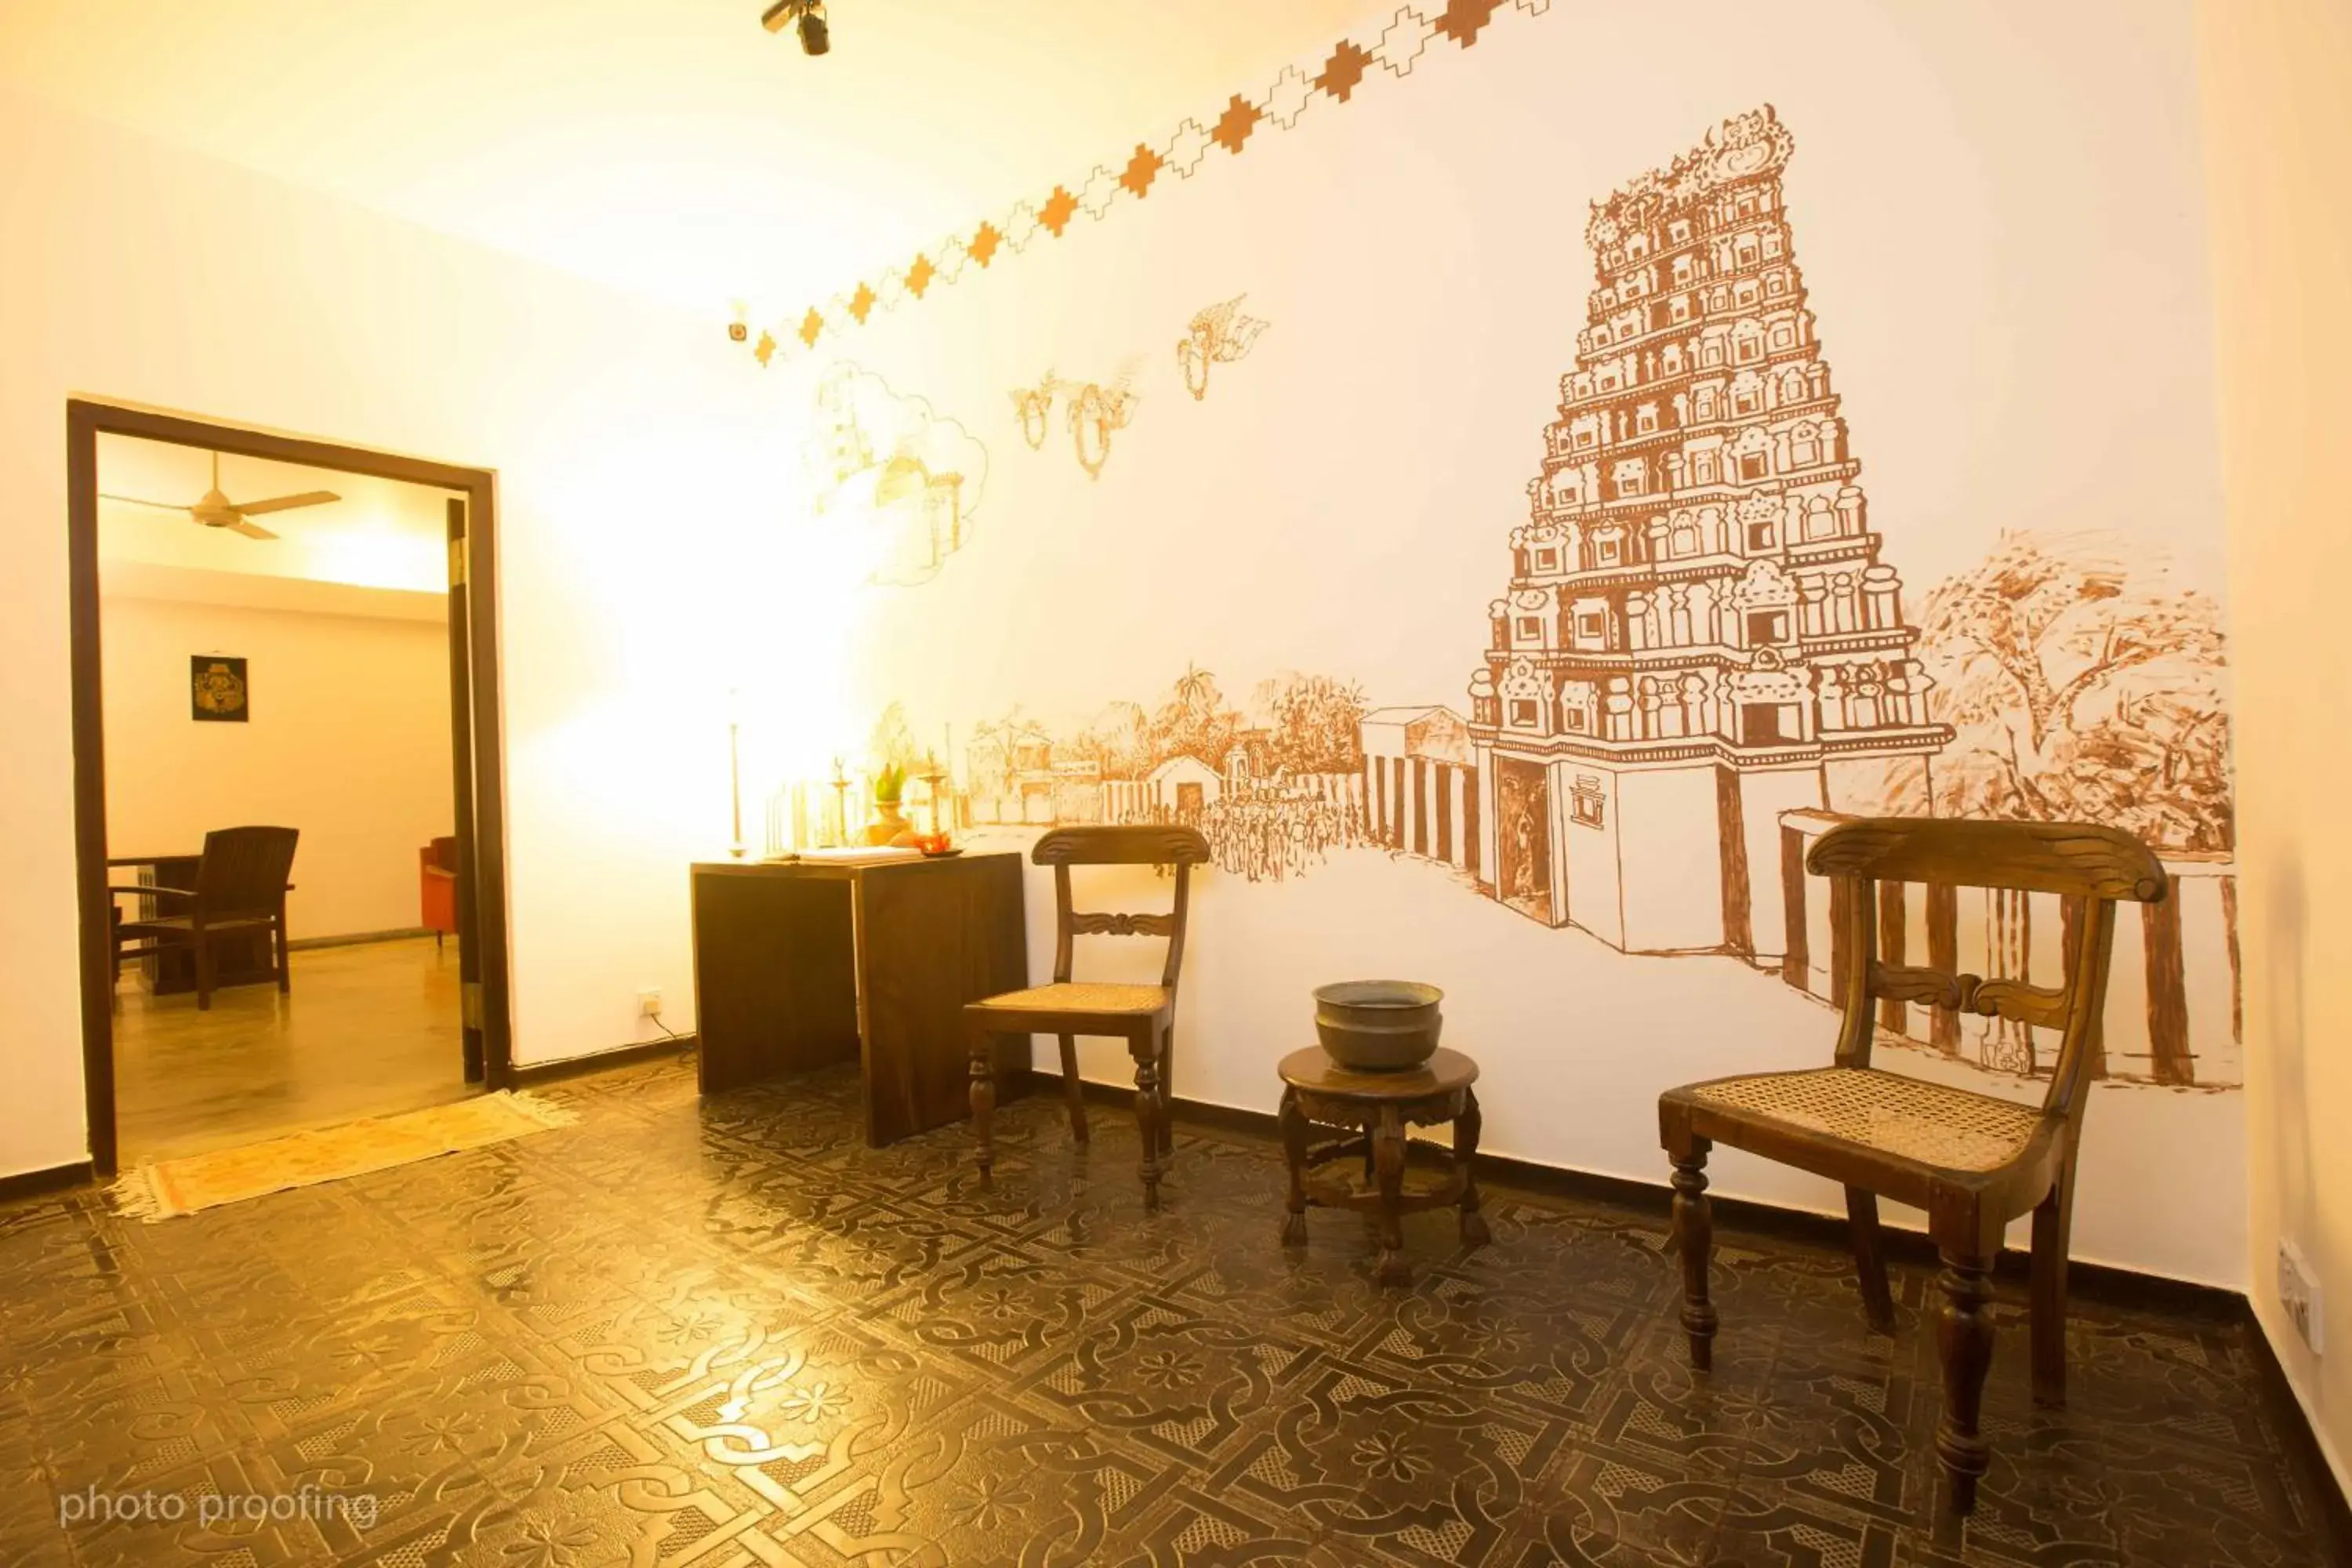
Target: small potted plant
(890,825)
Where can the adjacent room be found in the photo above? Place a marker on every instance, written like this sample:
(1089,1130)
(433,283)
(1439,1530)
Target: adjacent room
(1496,782)
(309,826)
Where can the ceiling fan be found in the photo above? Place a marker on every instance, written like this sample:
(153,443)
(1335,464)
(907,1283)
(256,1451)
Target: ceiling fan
(816,36)
(216,511)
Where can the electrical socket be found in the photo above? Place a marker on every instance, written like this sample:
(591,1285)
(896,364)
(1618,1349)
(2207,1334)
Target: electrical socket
(649,1002)
(2298,1291)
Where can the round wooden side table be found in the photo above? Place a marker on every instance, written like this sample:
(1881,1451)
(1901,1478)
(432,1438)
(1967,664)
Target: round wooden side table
(1379,1106)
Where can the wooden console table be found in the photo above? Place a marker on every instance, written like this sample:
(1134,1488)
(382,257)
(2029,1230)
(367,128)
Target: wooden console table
(804,963)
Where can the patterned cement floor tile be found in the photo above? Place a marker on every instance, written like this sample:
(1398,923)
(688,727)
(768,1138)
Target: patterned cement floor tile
(723,1333)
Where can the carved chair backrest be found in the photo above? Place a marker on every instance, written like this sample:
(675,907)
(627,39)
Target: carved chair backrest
(2090,867)
(1182,847)
(244,870)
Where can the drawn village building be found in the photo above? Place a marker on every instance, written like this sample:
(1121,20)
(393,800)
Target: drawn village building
(916,517)
(1698,625)
(1179,788)
(1016,779)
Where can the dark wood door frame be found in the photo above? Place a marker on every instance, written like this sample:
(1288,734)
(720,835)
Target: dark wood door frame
(475,734)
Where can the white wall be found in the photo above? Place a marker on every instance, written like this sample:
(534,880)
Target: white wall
(634,508)
(2002,227)
(2279,126)
(2002,230)
(348,741)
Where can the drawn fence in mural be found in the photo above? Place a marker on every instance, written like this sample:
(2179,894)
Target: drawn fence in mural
(1422,806)
(2173,989)
(1418,787)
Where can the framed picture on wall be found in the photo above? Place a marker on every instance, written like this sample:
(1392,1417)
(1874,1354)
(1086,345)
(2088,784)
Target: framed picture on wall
(216,689)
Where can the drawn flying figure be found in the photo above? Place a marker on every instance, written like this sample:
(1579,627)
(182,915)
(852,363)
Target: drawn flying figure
(1096,410)
(1219,334)
(1033,404)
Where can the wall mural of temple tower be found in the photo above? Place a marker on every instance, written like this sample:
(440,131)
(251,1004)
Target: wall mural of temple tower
(1704,659)
(1699,627)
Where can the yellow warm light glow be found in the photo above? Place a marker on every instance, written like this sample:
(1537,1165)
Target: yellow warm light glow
(368,549)
(797,706)
(778,597)
(376,552)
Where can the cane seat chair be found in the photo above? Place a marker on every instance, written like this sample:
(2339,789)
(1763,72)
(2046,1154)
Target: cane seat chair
(1972,1161)
(1142,1015)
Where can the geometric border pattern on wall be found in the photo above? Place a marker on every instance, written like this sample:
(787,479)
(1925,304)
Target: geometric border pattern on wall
(1181,154)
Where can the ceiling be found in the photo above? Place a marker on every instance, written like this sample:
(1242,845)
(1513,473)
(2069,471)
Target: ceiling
(672,148)
(382,536)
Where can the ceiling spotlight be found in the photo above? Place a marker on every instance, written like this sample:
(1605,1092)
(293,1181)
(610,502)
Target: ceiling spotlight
(816,38)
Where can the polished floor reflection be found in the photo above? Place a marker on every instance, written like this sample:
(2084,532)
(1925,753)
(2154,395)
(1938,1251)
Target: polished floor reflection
(725,1332)
(368,1030)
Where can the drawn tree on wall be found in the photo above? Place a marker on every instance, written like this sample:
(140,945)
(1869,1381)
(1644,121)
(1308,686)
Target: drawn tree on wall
(1314,723)
(1283,777)
(892,744)
(1296,724)
(997,752)
(2084,686)
(1118,739)
(1195,720)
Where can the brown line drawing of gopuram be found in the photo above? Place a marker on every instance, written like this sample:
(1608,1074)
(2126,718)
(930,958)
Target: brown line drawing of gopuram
(1698,629)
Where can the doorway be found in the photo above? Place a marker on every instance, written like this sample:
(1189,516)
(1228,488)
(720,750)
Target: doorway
(307,581)
(1523,837)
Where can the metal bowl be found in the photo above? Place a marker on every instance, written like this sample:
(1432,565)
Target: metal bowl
(1378,1026)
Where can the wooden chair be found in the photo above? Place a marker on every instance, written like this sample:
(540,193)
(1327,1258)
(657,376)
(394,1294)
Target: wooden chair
(1142,1015)
(1974,1163)
(241,886)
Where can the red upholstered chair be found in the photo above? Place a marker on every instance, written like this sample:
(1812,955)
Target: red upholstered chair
(437,888)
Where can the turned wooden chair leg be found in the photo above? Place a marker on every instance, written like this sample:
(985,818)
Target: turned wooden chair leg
(2053,1222)
(1870,1258)
(1695,1238)
(983,1099)
(1293,1122)
(1074,1089)
(1167,1088)
(1964,1340)
(1149,1109)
